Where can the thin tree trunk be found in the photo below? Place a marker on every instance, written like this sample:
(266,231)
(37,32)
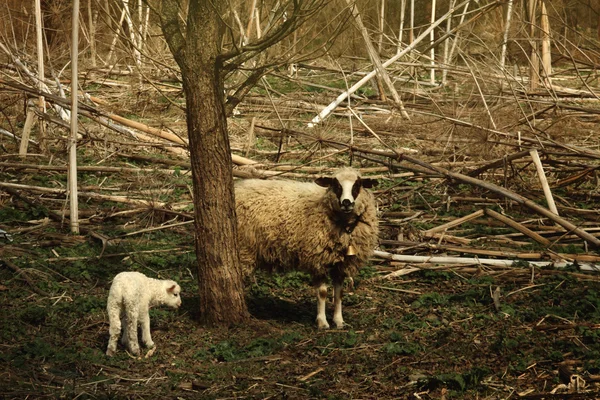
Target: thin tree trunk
(401,28)
(546,51)
(534,67)
(381,26)
(447,45)
(257,21)
(411,34)
(505,37)
(250,19)
(41,72)
(146,26)
(113,44)
(72,175)
(132,34)
(432,41)
(92,18)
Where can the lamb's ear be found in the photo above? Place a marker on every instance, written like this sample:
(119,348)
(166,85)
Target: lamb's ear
(171,289)
(369,182)
(324,181)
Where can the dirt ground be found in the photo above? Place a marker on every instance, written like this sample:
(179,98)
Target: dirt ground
(437,332)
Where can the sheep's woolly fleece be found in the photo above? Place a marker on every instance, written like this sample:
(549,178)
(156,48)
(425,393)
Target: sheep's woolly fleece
(285,225)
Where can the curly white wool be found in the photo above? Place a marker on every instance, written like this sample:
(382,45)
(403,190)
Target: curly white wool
(327,229)
(131,296)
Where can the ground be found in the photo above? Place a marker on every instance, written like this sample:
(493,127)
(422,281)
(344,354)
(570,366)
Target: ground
(435,332)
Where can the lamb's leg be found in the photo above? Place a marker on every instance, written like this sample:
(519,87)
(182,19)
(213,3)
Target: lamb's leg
(338,320)
(114,331)
(145,323)
(124,339)
(321,301)
(131,330)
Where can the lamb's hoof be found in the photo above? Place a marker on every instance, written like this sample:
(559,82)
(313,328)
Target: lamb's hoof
(149,345)
(110,352)
(135,351)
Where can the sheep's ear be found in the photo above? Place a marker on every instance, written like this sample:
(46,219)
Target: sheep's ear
(171,289)
(369,182)
(324,181)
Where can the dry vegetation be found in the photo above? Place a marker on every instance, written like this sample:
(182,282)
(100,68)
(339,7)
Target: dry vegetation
(509,308)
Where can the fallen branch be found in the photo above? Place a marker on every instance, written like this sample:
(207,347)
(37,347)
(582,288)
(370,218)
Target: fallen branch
(514,224)
(454,223)
(476,261)
(508,194)
(25,276)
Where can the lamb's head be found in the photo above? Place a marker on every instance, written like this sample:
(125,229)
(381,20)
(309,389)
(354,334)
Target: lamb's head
(346,185)
(171,295)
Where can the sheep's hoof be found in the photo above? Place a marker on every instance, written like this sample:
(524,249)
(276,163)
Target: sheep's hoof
(340,325)
(149,345)
(322,325)
(110,352)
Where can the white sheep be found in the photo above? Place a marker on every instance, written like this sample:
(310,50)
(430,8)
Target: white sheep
(130,297)
(328,229)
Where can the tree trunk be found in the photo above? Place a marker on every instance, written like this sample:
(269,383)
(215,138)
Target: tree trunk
(219,270)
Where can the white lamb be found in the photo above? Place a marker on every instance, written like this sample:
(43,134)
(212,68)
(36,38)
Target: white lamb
(130,297)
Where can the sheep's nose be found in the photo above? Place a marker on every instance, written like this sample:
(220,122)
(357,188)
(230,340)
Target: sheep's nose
(346,203)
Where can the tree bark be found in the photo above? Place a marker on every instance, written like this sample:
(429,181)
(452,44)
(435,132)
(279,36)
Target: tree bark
(197,52)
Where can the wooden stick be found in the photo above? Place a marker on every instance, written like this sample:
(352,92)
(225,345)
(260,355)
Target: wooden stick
(540,171)
(157,228)
(498,163)
(475,261)
(251,136)
(148,129)
(589,258)
(511,195)
(454,223)
(25,276)
(514,224)
(92,195)
(29,120)
(81,168)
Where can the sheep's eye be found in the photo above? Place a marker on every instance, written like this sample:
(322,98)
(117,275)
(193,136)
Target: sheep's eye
(176,294)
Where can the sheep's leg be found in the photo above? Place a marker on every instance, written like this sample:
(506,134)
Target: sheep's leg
(338,320)
(145,323)
(131,331)
(321,301)
(114,331)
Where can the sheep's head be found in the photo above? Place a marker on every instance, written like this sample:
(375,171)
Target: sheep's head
(346,185)
(172,298)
